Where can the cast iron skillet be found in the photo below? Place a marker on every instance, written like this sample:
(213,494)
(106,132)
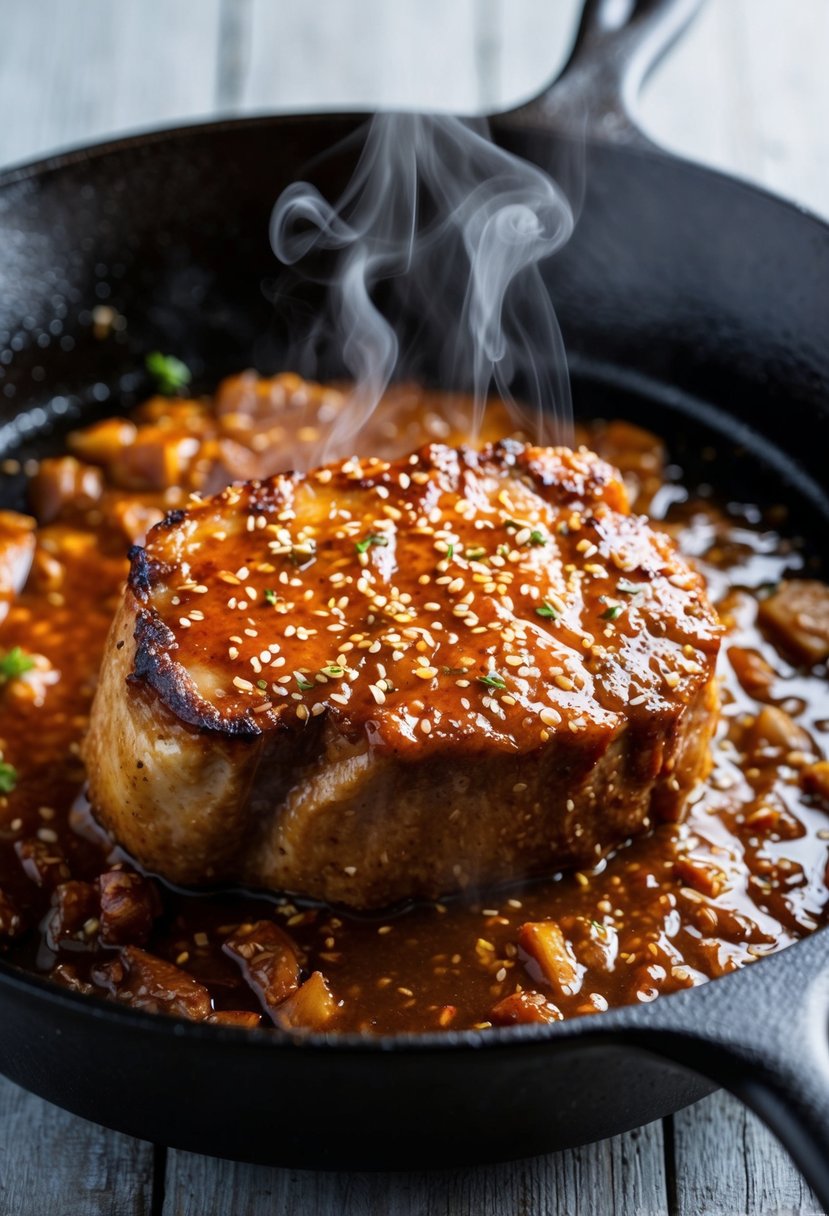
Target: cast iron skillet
(688,301)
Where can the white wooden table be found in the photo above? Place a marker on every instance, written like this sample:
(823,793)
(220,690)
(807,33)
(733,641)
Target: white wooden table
(747,91)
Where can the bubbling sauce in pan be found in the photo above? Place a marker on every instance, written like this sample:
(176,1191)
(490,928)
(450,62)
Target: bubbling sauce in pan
(743,875)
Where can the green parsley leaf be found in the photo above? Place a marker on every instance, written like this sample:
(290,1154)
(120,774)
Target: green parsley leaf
(492,680)
(8,777)
(263,684)
(476,552)
(627,588)
(450,553)
(547,610)
(375,538)
(334,670)
(169,373)
(512,524)
(14,663)
(503,550)
(302,684)
(613,612)
(270,595)
(537,538)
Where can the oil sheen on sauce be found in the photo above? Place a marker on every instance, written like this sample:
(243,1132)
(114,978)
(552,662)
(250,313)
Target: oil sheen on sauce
(743,875)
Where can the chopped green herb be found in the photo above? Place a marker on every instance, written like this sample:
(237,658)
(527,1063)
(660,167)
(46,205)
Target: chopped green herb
(375,538)
(14,663)
(503,550)
(333,670)
(8,777)
(613,612)
(547,610)
(169,373)
(302,684)
(450,553)
(476,552)
(263,684)
(492,680)
(270,596)
(535,538)
(599,927)
(627,588)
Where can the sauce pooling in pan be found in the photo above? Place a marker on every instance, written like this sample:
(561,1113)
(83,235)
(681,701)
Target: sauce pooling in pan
(741,876)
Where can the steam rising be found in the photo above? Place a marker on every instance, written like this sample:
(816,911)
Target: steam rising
(436,244)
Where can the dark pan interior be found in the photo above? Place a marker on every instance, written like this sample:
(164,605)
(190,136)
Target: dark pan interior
(688,302)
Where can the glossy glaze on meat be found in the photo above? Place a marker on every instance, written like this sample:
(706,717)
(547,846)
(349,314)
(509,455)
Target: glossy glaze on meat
(394,680)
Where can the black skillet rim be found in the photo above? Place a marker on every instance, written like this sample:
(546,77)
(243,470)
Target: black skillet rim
(77,154)
(613,1022)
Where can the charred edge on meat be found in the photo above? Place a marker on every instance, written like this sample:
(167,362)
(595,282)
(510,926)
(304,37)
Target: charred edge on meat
(144,571)
(154,667)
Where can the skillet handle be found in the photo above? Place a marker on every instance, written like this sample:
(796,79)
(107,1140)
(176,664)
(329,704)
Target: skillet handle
(618,44)
(763,1035)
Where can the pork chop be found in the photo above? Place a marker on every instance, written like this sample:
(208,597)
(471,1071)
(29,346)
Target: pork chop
(391,680)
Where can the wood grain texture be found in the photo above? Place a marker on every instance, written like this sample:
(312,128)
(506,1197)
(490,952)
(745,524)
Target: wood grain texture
(746,91)
(326,55)
(76,70)
(521,47)
(623,1176)
(54,1163)
(727,1162)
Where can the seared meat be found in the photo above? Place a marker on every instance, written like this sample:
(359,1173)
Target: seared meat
(392,680)
(246,432)
(798,614)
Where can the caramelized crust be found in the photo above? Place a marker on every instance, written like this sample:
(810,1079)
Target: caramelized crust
(393,679)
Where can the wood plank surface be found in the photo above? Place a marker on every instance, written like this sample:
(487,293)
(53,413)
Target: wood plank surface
(54,1164)
(747,91)
(76,70)
(329,55)
(726,1161)
(623,1175)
